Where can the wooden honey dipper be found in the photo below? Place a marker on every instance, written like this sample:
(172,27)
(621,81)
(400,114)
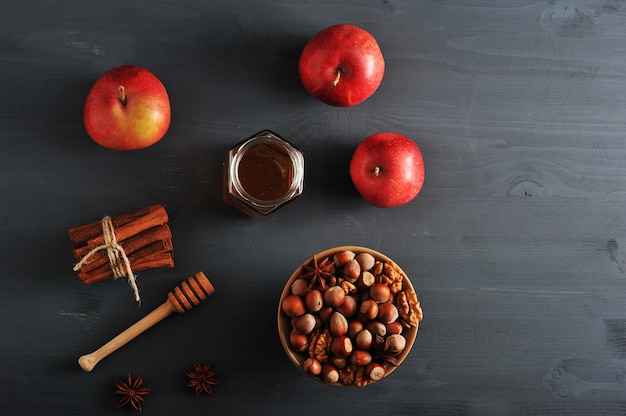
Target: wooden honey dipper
(183,297)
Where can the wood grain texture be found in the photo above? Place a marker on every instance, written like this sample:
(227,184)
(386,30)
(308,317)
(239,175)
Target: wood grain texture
(516,244)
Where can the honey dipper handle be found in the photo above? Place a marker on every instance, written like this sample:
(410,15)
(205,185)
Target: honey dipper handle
(183,297)
(89,361)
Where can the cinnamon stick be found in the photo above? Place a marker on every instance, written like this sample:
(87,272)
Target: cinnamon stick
(134,227)
(158,260)
(139,257)
(81,234)
(156,240)
(130,246)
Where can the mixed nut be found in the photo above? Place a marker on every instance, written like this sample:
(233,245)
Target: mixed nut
(348,313)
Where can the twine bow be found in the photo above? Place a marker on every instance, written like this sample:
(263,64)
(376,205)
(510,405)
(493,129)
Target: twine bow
(120,265)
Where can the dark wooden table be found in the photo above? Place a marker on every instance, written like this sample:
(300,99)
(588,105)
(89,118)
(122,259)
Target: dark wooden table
(516,244)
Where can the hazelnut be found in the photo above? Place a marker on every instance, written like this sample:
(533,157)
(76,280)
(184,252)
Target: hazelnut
(360,358)
(387,313)
(304,324)
(339,362)
(365,281)
(299,287)
(334,296)
(375,371)
(343,257)
(366,260)
(312,366)
(351,271)
(368,309)
(394,344)
(364,294)
(354,327)
(380,292)
(364,339)
(349,307)
(376,328)
(395,327)
(341,346)
(293,305)
(338,324)
(298,341)
(330,373)
(326,313)
(314,300)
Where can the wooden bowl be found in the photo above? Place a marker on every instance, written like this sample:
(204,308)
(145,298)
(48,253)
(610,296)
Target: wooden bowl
(285,322)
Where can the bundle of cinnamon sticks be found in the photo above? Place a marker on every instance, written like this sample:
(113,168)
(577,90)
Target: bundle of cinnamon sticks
(143,235)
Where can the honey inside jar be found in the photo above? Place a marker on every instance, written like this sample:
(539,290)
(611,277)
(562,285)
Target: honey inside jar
(265,172)
(262,173)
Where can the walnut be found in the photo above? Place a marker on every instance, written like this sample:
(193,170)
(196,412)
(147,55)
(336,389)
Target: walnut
(415,305)
(393,272)
(346,375)
(359,377)
(319,348)
(315,334)
(395,287)
(409,307)
(377,270)
(348,287)
(383,278)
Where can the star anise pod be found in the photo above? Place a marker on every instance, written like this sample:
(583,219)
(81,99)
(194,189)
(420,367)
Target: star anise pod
(384,353)
(202,378)
(319,273)
(132,391)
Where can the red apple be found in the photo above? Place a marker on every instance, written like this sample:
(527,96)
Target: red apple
(341,65)
(387,169)
(127,108)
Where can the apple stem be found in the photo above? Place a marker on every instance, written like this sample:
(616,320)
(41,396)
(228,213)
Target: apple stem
(377,171)
(122,95)
(336,81)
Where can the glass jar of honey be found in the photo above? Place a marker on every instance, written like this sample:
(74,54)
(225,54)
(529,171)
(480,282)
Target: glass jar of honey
(263,173)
